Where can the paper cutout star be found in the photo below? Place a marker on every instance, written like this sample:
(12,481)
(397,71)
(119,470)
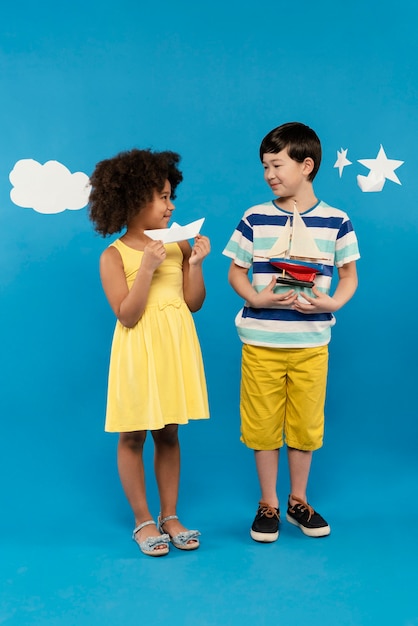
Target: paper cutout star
(342,160)
(382,166)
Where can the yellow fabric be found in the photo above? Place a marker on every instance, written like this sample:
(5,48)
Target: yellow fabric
(283,397)
(156,374)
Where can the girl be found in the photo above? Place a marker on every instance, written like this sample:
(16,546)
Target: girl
(156,375)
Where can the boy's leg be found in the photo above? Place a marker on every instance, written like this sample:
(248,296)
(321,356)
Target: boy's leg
(299,468)
(265,527)
(267,463)
(299,512)
(263,398)
(304,433)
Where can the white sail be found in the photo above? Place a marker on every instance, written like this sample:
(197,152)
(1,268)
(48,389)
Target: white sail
(302,243)
(282,244)
(296,241)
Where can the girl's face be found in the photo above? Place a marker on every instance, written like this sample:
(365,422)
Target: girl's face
(157,213)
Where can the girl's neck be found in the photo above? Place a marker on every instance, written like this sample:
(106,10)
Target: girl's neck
(135,237)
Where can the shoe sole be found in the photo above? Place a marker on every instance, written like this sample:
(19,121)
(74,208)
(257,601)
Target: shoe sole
(310,532)
(264,537)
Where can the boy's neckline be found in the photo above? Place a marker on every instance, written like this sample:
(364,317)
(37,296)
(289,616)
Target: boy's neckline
(291,212)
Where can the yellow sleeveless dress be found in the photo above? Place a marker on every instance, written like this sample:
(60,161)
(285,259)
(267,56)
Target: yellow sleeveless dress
(156,374)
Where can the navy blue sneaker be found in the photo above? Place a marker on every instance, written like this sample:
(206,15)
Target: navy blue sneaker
(265,526)
(309,521)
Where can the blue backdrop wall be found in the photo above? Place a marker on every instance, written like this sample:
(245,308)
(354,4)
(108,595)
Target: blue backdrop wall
(83,81)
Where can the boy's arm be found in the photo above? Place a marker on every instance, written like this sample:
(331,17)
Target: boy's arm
(239,281)
(322,303)
(347,284)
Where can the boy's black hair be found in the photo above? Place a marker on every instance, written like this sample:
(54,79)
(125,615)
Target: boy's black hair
(300,140)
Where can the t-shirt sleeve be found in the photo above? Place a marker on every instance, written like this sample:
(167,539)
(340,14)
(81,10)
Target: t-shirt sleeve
(240,247)
(346,248)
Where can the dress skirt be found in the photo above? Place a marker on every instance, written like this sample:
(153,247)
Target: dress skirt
(156,372)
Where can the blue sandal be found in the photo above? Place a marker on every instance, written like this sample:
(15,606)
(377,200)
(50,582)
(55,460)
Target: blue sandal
(150,545)
(180,541)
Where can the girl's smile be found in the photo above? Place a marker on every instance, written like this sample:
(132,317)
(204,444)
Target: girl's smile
(157,213)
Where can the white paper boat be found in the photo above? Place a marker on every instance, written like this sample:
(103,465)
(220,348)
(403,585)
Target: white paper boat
(176,232)
(372,182)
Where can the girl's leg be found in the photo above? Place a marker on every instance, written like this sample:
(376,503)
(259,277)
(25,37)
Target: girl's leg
(131,473)
(267,463)
(167,472)
(299,468)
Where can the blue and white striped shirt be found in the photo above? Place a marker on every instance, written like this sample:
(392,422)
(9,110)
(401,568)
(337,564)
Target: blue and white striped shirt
(249,246)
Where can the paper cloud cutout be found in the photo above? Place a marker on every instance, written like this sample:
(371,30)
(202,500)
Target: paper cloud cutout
(49,188)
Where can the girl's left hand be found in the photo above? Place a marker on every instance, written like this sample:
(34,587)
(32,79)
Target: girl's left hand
(200,249)
(321,303)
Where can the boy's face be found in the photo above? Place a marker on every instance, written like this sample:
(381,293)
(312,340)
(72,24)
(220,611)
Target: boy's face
(284,176)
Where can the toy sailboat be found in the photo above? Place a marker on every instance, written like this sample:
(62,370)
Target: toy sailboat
(295,252)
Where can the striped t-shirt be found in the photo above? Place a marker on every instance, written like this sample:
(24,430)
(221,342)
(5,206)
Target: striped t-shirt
(249,246)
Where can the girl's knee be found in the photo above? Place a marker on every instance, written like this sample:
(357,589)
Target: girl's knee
(167,435)
(133,440)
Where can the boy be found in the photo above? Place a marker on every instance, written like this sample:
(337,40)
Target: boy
(285,328)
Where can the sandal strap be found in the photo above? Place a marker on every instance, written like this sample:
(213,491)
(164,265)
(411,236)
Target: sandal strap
(166,519)
(182,538)
(140,526)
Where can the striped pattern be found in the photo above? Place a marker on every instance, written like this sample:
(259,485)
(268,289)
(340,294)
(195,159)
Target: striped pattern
(249,247)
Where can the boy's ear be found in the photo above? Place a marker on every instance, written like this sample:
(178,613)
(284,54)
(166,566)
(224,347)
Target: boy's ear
(308,165)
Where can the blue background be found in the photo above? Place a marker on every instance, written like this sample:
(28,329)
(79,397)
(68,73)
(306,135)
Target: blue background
(83,81)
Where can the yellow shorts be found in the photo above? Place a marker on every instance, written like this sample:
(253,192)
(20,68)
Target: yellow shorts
(283,397)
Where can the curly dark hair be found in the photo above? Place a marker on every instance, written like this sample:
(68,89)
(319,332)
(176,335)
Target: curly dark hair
(123,185)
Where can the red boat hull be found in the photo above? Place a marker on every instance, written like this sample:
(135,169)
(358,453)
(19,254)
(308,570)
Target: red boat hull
(296,270)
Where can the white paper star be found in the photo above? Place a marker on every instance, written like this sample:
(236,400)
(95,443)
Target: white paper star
(342,160)
(382,166)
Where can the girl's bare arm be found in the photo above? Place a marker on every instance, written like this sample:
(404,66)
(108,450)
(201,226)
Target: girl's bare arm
(129,305)
(193,283)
